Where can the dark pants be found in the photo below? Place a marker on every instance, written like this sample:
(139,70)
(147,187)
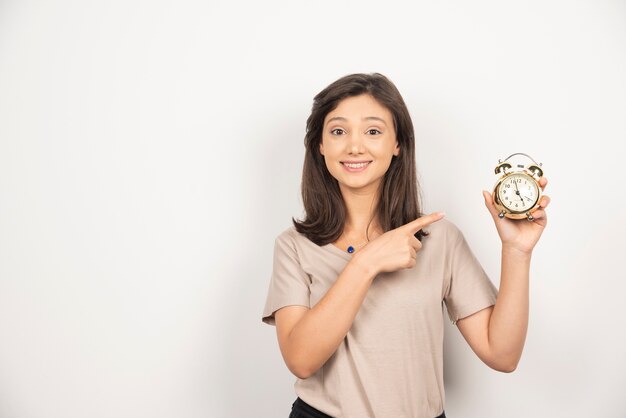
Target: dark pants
(300,409)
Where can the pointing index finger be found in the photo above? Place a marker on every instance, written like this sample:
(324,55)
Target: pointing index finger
(423,221)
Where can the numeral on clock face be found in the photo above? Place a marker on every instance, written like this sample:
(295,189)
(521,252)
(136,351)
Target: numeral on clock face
(518,193)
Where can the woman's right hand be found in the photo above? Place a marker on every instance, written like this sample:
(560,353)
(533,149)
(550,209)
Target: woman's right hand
(396,249)
(309,336)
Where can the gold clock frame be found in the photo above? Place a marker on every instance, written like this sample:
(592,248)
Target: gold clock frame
(532,171)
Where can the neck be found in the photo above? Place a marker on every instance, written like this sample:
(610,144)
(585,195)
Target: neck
(360,206)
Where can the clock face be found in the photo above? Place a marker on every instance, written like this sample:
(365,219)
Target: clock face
(518,193)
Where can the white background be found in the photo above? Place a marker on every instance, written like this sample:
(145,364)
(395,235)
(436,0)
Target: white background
(151,151)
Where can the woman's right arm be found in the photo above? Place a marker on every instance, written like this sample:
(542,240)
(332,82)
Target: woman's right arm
(308,337)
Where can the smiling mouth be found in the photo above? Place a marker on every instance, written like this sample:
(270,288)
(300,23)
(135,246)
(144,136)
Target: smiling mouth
(356,167)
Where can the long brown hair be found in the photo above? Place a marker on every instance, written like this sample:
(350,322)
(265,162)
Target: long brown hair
(399,200)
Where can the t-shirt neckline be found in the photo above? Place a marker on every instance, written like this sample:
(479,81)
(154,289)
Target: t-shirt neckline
(332,247)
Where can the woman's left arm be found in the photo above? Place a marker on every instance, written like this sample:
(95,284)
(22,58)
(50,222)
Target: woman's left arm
(497,334)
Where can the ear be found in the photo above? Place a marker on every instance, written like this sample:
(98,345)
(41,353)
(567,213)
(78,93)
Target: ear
(321,148)
(396,152)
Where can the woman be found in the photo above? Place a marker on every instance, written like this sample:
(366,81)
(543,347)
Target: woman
(358,286)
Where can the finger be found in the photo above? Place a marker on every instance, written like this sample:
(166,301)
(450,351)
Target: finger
(415,243)
(489,204)
(543,182)
(411,264)
(545,201)
(540,215)
(423,221)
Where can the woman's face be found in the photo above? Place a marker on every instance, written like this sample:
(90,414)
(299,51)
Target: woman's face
(358,142)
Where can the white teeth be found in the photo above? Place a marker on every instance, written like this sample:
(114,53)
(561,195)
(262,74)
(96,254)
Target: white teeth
(359,165)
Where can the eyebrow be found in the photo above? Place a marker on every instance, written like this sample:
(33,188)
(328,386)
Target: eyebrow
(365,118)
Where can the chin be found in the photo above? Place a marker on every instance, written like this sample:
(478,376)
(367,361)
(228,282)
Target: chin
(359,185)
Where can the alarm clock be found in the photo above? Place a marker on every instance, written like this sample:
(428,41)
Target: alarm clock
(517,192)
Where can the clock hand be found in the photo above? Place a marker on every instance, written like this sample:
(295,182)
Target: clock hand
(518,193)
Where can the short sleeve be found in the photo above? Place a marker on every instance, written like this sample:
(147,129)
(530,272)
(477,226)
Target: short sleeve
(468,289)
(289,283)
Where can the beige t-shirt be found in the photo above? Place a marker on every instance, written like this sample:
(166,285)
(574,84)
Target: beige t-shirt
(390,364)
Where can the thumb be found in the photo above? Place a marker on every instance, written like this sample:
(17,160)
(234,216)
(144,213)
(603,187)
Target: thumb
(489,203)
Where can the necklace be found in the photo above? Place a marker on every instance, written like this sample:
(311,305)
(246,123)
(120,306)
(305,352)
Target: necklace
(351,248)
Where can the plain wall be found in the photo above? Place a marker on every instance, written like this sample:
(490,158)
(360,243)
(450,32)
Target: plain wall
(151,151)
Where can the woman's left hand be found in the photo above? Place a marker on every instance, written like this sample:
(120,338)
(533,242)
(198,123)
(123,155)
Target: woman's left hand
(520,234)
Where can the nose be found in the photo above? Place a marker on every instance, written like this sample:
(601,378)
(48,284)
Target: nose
(355,143)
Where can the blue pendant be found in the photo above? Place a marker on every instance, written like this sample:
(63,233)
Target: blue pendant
(351,249)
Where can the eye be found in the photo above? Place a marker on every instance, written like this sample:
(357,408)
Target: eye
(374,131)
(337,131)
